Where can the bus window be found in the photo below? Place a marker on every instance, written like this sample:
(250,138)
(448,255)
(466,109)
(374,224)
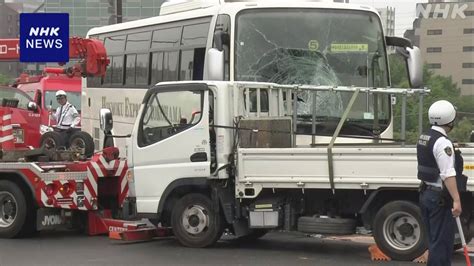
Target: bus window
(170,65)
(141,69)
(138,41)
(156,67)
(130,61)
(223,25)
(117,70)
(114,44)
(165,38)
(195,34)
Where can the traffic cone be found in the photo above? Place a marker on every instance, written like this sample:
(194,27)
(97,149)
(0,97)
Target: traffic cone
(6,130)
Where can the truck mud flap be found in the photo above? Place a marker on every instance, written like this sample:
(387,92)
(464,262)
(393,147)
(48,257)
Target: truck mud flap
(49,218)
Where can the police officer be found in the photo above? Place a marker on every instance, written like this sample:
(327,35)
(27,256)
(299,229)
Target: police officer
(66,116)
(439,197)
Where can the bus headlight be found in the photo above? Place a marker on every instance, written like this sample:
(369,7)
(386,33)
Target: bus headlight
(18,135)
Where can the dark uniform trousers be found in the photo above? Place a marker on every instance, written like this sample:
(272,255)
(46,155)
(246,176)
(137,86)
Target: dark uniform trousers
(440,223)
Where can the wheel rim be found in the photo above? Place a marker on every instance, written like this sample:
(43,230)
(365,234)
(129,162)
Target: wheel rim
(49,143)
(401,230)
(195,219)
(78,145)
(8,209)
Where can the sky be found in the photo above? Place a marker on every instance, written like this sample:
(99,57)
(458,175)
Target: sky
(404,11)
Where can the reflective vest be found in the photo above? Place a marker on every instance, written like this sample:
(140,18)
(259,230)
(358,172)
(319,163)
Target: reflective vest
(428,170)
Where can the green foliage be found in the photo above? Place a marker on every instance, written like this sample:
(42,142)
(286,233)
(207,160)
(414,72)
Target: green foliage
(4,80)
(442,88)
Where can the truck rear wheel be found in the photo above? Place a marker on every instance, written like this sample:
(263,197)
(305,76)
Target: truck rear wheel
(195,222)
(399,230)
(82,142)
(13,210)
(51,141)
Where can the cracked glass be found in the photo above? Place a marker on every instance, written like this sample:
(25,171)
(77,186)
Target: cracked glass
(316,47)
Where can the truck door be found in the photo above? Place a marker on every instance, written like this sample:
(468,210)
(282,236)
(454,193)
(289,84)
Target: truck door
(171,141)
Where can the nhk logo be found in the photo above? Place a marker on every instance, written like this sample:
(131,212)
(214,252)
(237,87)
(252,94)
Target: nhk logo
(44,37)
(440,10)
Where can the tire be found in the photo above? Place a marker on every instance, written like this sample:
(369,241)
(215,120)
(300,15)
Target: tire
(81,141)
(195,222)
(13,211)
(51,141)
(333,226)
(254,234)
(399,230)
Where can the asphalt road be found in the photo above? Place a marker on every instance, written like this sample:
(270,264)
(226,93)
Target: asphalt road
(66,248)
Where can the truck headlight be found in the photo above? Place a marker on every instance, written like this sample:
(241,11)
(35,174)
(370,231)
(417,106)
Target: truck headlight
(18,135)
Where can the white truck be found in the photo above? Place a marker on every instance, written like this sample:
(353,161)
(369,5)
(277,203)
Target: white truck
(209,156)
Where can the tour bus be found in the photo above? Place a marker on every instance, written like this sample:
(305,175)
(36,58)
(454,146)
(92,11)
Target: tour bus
(283,42)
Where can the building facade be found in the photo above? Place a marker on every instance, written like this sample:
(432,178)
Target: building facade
(10,29)
(387,15)
(444,32)
(86,14)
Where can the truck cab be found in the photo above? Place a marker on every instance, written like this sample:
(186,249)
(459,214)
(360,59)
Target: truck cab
(25,116)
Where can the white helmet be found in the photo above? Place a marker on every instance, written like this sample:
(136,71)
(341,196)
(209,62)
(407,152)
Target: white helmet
(60,93)
(441,113)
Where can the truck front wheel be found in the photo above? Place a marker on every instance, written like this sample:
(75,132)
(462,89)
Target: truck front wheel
(399,231)
(13,210)
(195,221)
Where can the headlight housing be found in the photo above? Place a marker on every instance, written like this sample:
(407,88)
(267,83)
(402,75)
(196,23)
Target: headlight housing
(18,135)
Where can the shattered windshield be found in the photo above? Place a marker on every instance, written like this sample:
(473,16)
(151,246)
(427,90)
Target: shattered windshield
(316,47)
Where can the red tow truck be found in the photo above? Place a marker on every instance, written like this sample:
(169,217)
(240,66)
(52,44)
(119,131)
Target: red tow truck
(25,116)
(42,88)
(44,189)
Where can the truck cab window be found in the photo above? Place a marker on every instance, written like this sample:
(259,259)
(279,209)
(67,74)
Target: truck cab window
(169,113)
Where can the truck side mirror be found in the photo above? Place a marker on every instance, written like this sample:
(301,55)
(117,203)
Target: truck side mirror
(32,106)
(471,139)
(412,57)
(215,64)
(106,121)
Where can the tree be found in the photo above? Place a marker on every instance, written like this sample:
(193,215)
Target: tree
(442,88)
(4,80)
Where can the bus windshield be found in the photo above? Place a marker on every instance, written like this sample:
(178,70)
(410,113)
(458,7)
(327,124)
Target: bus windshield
(316,47)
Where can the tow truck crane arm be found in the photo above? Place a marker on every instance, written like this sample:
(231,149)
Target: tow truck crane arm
(91,52)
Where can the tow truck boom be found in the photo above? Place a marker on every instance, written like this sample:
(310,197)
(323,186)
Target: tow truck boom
(91,52)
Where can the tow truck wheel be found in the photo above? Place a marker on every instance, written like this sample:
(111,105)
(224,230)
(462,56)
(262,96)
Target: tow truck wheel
(82,142)
(195,222)
(13,210)
(51,141)
(399,230)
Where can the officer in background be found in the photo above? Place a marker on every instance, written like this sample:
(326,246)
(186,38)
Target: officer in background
(439,197)
(66,116)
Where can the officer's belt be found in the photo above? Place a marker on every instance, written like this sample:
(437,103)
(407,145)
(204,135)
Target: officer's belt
(425,186)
